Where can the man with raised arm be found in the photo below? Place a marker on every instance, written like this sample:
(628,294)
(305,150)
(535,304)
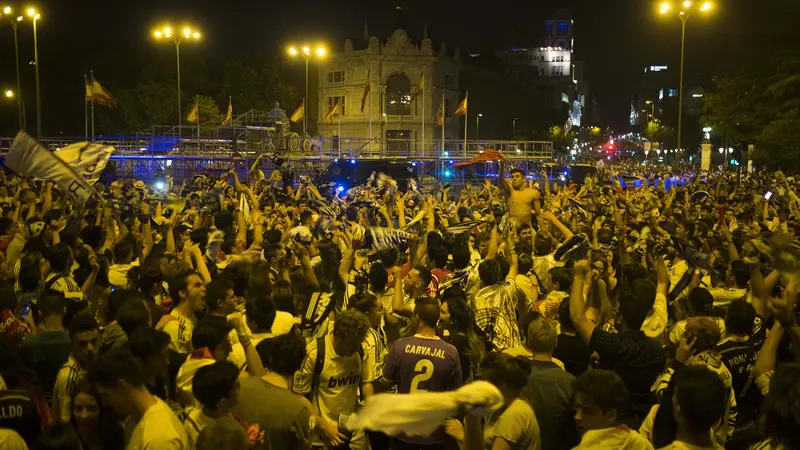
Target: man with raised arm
(519,197)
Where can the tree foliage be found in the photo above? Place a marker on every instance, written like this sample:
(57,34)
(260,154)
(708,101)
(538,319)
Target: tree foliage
(655,131)
(763,110)
(561,138)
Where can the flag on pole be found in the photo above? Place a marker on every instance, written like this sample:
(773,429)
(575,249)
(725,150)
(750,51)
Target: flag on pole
(366,90)
(440,115)
(96,93)
(193,116)
(332,113)
(229,117)
(298,113)
(462,108)
(420,89)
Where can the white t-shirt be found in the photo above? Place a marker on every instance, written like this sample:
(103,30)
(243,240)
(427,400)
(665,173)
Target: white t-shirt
(158,428)
(656,321)
(184,379)
(180,330)
(118,273)
(339,382)
(677,330)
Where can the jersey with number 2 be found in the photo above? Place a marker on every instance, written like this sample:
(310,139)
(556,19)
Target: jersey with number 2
(423,364)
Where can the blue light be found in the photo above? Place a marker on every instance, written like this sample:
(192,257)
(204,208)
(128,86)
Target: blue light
(352,161)
(446,153)
(447,173)
(414,164)
(159,185)
(339,188)
(451,161)
(336,160)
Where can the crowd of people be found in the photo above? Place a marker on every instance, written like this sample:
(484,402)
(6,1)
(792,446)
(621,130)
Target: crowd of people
(644,308)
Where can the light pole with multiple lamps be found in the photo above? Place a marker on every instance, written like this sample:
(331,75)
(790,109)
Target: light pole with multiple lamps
(685,10)
(166,33)
(306,53)
(8,12)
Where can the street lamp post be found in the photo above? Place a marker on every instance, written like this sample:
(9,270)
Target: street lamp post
(306,53)
(652,109)
(177,38)
(7,11)
(685,11)
(477,125)
(32,13)
(514,127)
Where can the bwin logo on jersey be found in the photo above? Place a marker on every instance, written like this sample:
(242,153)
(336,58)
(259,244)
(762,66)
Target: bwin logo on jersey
(344,381)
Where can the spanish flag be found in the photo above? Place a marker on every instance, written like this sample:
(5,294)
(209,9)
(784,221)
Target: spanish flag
(440,115)
(420,89)
(462,108)
(96,93)
(334,112)
(193,116)
(366,90)
(298,113)
(229,117)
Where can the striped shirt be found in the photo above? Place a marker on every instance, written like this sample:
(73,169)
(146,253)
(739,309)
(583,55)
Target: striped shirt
(68,377)
(64,284)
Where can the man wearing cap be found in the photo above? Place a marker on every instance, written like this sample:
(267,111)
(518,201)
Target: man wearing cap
(520,197)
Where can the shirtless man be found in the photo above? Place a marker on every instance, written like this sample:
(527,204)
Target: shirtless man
(521,198)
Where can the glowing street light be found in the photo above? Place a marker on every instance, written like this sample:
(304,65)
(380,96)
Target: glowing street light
(7,12)
(34,15)
(686,10)
(9,94)
(188,33)
(307,54)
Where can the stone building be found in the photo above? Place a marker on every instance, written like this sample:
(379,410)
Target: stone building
(395,70)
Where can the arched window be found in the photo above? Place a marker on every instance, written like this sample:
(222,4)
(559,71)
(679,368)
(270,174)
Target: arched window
(398,95)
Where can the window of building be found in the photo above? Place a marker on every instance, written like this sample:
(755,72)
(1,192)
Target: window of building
(673,92)
(448,79)
(336,77)
(337,101)
(548,27)
(398,95)
(562,27)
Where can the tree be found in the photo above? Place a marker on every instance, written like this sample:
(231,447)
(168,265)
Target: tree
(561,139)
(654,131)
(147,104)
(732,108)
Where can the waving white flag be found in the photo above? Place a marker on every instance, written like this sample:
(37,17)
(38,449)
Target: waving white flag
(27,157)
(86,158)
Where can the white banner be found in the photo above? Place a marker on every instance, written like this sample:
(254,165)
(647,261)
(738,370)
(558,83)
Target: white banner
(86,158)
(705,157)
(28,158)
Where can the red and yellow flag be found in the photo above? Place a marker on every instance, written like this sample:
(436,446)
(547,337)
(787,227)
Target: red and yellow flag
(229,116)
(420,89)
(462,108)
(193,116)
(96,93)
(298,113)
(440,115)
(366,90)
(332,113)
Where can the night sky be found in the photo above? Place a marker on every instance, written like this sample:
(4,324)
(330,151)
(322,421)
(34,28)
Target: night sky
(616,39)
